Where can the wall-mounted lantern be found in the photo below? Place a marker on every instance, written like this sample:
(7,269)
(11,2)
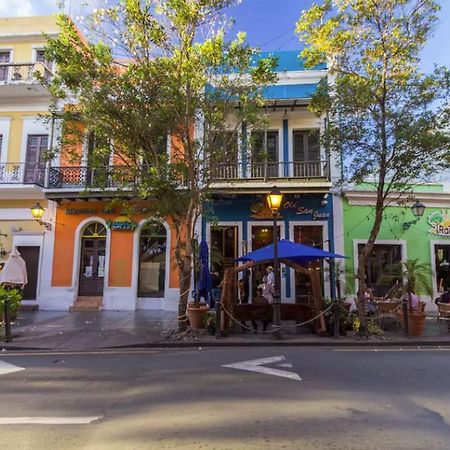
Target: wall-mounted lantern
(37,211)
(417,209)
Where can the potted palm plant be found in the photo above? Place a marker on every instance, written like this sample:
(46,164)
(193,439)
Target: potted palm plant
(414,277)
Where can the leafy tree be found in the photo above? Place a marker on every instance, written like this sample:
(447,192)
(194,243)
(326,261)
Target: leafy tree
(387,119)
(152,69)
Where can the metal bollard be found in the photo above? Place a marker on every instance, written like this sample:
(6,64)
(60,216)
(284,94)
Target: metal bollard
(336,324)
(7,319)
(218,324)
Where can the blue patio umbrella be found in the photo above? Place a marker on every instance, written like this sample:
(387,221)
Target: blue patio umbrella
(205,281)
(297,253)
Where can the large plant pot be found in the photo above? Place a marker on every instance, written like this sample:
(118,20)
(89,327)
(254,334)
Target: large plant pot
(197,315)
(416,322)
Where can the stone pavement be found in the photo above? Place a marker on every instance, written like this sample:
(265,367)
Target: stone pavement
(57,330)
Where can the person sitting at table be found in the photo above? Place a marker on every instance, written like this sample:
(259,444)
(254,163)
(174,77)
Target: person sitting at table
(443,298)
(412,299)
(369,301)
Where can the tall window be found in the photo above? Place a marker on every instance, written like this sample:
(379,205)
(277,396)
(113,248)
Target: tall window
(265,146)
(37,144)
(4,59)
(264,156)
(306,145)
(152,260)
(381,267)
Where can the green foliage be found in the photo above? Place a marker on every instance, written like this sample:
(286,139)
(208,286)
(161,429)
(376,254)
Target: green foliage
(152,69)
(13,295)
(413,276)
(387,120)
(372,327)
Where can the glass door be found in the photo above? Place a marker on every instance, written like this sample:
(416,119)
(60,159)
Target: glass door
(262,235)
(313,236)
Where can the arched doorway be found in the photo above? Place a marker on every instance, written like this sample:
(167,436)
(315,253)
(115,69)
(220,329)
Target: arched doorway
(152,260)
(92,266)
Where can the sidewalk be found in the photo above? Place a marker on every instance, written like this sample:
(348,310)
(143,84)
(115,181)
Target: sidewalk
(55,330)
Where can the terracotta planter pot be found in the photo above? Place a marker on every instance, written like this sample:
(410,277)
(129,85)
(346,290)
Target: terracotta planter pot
(416,322)
(197,315)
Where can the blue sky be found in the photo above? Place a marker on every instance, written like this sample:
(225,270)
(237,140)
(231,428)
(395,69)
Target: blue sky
(269,23)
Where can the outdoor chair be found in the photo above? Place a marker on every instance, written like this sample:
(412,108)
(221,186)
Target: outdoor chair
(387,310)
(443,310)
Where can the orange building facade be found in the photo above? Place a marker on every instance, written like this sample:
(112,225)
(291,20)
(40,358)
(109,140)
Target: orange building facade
(103,258)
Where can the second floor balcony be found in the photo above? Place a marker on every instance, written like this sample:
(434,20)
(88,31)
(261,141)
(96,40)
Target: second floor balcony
(22,173)
(16,78)
(267,170)
(222,176)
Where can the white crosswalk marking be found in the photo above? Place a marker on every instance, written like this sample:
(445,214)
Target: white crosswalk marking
(6,368)
(47,420)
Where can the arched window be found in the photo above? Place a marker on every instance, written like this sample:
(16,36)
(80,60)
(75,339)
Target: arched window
(152,260)
(95,230)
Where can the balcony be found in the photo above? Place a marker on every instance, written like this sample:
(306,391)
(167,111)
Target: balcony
(18,79)
(78,178)
(22,173)
(270,170)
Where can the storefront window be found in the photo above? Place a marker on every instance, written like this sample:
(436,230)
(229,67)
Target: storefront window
(224,247)
(152,260)
(381,267)
(442,259)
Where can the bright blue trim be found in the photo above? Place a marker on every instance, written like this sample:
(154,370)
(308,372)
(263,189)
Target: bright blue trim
(286,146)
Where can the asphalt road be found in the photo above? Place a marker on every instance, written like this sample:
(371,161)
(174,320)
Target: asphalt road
(186,399)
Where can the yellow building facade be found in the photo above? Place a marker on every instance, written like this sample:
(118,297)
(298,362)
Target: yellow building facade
(24,138)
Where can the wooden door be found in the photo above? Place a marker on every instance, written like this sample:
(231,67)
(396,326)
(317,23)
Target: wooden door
(92,267)
(31,257)
(35,165)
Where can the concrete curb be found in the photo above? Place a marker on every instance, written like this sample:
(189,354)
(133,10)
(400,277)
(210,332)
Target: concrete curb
(220,343)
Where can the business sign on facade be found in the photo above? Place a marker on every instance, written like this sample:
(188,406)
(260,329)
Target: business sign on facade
(122,223)
(440,223)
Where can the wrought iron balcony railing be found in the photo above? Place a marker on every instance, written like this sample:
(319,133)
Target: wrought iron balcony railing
(11,73)
(83,177)
(269,170)
(123,177)
(22,173)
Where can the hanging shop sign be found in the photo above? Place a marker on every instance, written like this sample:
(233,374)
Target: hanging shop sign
(123,223)
(440,223)
(315,214)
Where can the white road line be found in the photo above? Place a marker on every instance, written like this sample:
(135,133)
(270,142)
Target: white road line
(69,353)
(401,349)
(255,365)
(6,368)
(47,420)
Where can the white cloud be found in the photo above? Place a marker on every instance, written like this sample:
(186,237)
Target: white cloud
(10,8)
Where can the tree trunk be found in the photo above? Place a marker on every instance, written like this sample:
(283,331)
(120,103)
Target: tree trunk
(185,286)
(362,262)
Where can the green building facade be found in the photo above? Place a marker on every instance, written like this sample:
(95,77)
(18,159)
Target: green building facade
(402,236)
